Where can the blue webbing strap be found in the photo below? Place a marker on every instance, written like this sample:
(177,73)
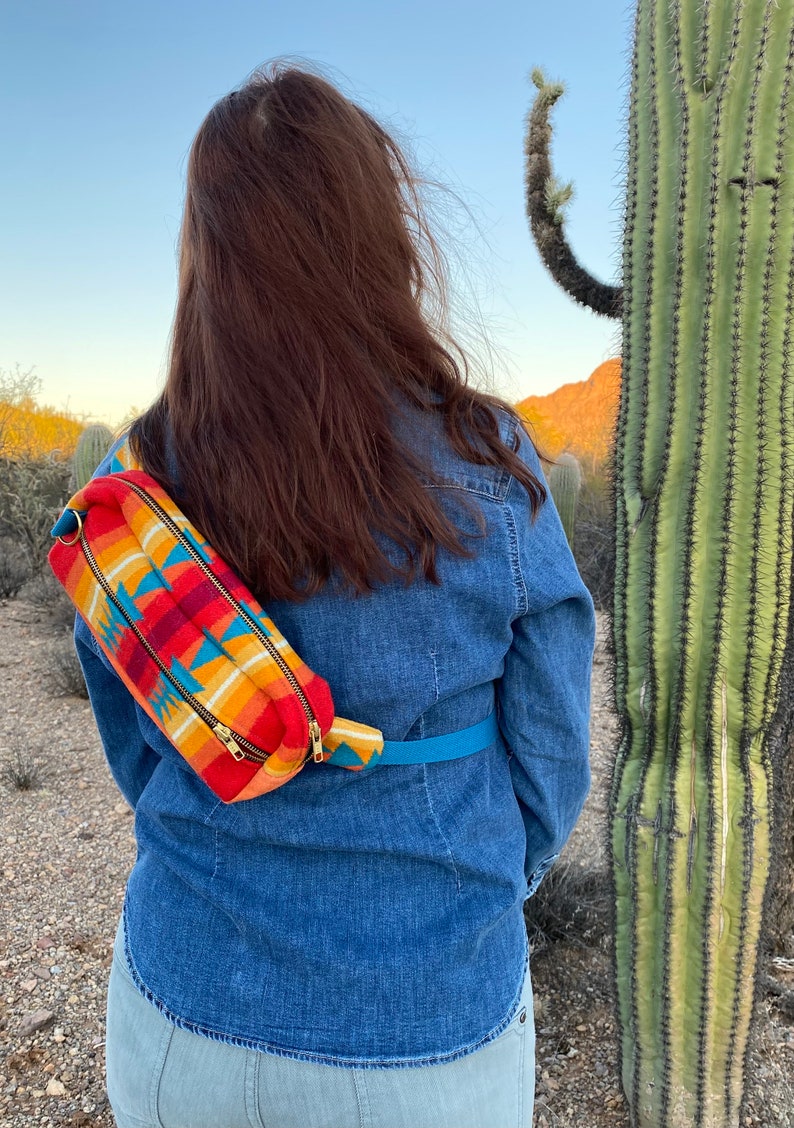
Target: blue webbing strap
(450,746)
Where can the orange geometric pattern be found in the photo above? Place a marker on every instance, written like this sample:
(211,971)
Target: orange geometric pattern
(190,642)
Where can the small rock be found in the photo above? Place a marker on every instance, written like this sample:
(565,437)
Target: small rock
(29,984)
(55,1088)
(34,1021)
(600,1069)
(45,942)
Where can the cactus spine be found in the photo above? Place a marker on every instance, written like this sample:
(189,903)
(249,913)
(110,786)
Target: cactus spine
(704,492)
(92,446)
(704,508)
(565,481)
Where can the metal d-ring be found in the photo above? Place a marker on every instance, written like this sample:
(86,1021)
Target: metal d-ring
(79,532)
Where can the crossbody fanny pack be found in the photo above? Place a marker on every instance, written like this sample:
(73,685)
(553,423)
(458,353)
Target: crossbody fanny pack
(197,651)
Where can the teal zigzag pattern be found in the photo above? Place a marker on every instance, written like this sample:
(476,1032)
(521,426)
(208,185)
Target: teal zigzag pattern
(152,581)
(199,545)
(128,603)
(184,676)
(345,757)
(211,648)
(178,555)
(260,616)
(164,698)
(236,628)
(111,626)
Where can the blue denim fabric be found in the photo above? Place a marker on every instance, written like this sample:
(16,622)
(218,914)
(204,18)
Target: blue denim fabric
(375,919)
(159,1076)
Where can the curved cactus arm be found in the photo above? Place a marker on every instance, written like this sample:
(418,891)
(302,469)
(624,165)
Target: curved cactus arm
(545,200)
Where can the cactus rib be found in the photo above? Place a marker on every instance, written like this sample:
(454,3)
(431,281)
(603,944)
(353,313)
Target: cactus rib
(565,482)
(92,446)
(704,505)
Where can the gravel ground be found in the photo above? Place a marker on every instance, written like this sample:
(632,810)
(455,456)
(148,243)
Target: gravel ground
(67,846)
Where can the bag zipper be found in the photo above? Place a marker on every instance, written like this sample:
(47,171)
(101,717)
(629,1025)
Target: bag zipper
(239,747)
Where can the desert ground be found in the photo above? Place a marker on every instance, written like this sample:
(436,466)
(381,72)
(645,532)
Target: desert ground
(67,845)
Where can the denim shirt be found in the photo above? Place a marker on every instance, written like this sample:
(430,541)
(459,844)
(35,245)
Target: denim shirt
(375,918)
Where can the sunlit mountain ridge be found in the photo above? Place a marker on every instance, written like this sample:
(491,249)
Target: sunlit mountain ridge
(579,418)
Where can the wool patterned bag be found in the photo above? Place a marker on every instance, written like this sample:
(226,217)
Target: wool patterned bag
(190,642)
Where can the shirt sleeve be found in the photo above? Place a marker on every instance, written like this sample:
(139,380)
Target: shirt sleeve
(131,760)
(544,693)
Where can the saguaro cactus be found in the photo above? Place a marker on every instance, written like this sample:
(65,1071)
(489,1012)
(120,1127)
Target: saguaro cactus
(565,481)
(92,446)
(704,511)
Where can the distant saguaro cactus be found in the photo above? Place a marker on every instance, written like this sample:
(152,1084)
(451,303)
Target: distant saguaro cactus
(92,446)
(704,485)
(565,482)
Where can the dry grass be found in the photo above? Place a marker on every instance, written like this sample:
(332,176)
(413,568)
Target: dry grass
(571,905)
(67,674)
(20,770)
(14,568)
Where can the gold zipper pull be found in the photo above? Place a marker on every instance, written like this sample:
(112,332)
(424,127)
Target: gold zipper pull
(317,742)
(224,734)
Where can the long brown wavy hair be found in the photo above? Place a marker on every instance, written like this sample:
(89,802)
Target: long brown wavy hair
(306,274)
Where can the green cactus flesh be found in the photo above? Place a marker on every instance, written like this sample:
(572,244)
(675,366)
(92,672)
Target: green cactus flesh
(565,481)
(92,446)
(704,508)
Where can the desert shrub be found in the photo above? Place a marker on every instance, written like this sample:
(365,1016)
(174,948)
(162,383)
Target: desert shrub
(65,669)
(594,539)
(28,429)
(779,909)
(44,592)
(14,568)
(36,445)
(32,492)
(571,905)
(19,768)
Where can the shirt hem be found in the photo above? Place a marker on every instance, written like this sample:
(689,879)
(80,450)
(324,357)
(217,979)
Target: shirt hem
(339,1060)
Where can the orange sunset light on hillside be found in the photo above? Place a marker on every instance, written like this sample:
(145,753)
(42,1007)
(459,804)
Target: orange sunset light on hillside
(578,418)
(28,430)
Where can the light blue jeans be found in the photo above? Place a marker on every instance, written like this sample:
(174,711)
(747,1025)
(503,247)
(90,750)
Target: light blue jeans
(159,1076)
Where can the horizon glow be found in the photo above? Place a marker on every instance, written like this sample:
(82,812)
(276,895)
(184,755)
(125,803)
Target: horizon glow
(93,195)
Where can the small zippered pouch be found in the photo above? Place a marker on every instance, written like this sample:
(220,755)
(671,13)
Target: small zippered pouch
(195,649)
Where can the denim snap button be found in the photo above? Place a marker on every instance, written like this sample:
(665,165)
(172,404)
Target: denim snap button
(522,1017)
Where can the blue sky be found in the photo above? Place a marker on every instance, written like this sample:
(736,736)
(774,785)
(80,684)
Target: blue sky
(99,103)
